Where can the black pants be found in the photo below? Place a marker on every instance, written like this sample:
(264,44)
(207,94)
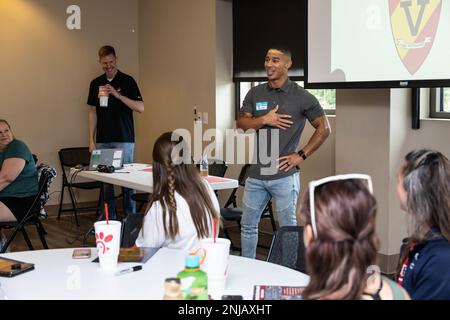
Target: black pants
(18,206)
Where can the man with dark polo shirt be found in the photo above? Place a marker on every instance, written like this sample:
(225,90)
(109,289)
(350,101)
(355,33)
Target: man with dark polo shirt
(277,110)
(112,126)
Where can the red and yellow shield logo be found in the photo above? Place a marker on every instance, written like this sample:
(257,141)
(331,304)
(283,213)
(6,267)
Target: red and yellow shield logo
(414,24)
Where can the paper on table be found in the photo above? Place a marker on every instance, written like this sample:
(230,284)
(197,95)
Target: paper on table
(116,163)
(136,166)
(212,179)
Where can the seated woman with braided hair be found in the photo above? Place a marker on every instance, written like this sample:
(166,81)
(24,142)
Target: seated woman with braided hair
(183,205)
(341,243)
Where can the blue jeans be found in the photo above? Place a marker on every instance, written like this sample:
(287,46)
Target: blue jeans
(129,205)
(257,194)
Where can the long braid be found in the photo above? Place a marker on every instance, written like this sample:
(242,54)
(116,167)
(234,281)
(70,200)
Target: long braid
(173,171)
(172,204)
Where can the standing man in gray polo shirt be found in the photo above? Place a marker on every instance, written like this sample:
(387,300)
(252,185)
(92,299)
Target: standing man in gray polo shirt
(278,111)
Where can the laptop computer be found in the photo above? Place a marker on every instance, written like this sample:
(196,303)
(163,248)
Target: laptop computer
(108,157)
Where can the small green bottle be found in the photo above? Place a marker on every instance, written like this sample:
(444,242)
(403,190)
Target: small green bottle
(194,282)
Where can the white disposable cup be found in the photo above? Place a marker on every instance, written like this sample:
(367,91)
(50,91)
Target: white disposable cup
(215,264)
(103,101)
(107,237)
(216,287)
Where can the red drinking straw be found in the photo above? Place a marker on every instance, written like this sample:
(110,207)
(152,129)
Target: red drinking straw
(106,213)
(214,229)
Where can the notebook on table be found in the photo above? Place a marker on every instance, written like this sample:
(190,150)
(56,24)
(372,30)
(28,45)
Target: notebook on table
(135,254)
(268,292)
(10,268)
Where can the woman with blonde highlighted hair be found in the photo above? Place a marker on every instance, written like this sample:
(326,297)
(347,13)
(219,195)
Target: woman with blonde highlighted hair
(424,192)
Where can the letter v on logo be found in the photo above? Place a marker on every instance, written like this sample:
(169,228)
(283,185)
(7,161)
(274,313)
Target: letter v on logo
(414,24)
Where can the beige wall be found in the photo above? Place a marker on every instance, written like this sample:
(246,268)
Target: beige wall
(225,113)
(363,144)
(177,67)
(46,68)
(322,162)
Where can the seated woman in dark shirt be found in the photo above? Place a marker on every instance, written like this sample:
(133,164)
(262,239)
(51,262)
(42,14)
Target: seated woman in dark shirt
(424,192)
(18,176)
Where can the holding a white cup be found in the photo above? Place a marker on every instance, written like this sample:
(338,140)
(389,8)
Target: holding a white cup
(107,237)
(215,264)
(103,96)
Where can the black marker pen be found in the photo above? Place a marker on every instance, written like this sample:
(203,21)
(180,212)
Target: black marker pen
(132,269)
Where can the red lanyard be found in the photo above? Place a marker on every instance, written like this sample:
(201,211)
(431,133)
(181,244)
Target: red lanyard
(405,265)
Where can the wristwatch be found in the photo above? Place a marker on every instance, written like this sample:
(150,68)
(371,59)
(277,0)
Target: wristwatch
(302,154)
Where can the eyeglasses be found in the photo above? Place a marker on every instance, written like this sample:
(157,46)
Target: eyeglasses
(314,184)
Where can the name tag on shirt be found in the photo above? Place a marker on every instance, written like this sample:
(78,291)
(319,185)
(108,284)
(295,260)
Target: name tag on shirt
(261,106)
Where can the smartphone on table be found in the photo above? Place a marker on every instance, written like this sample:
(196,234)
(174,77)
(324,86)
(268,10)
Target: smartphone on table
(83,253)
(232,297)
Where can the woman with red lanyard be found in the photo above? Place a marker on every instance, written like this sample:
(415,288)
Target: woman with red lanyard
(424,192)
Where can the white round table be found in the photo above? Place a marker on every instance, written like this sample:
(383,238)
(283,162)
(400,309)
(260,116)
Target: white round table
(59,277)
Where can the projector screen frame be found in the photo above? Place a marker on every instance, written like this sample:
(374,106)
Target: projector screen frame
(376,84)
(400,83)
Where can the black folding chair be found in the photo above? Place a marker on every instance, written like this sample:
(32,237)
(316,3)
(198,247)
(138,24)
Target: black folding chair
(69,158)
(217,167)
(131,225)
(287,248)
(33,215)
(35,158)
(141,198)
(235,214)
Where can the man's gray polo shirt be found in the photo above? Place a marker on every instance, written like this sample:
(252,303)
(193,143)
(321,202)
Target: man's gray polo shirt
(292,100)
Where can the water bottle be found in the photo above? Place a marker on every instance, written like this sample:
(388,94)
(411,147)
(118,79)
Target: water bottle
(194,282)
(172,289)
(204,166)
